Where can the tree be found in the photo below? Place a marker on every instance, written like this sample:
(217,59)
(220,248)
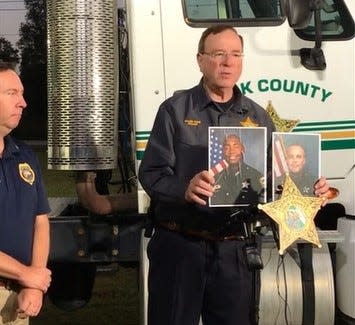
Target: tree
(7,52)
(33,70)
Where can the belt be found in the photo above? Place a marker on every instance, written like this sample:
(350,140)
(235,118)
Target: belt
(201,234)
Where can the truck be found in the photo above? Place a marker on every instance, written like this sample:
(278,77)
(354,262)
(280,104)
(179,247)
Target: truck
(112,63)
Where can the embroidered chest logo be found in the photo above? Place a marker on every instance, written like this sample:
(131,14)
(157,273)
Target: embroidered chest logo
(26,173)
(192,122)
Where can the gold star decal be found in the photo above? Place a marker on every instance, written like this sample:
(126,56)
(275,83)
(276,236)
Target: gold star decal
(294,214)
(280,124)
(248,122)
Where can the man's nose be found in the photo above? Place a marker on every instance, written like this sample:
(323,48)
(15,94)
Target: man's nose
(228,59)
(226,62)
(22,102)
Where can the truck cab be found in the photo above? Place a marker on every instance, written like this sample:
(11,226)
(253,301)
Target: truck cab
(298,65)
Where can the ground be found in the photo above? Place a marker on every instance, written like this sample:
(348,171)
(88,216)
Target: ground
(115,300)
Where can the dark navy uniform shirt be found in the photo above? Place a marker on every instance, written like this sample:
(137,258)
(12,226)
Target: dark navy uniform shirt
(22,198)
(178,149)
(242,186)
(303,180)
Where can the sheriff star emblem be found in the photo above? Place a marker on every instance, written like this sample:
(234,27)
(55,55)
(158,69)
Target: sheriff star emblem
(294,214)
(282,125)
(26,173)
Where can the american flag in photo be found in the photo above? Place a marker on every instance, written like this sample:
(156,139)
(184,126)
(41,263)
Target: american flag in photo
(217,161)
(279,161)
(215,148)
(219,167)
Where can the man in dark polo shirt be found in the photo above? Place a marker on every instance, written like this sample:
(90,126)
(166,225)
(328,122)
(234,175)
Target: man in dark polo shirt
(24,226)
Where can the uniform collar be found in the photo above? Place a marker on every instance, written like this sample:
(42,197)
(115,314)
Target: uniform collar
(11,148)
(204,101)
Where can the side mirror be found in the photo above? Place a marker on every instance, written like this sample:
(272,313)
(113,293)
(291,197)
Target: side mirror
(298,12)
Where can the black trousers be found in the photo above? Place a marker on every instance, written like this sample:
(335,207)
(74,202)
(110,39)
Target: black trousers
(189,277)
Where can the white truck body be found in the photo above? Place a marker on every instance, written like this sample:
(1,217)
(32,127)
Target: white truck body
(163,50)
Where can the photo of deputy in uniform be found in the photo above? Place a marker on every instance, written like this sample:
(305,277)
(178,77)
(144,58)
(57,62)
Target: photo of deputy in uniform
(237,159)
(298,155)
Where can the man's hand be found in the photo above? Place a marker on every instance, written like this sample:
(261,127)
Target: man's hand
(321,187)
(29,302)
(200,188)
(36,278)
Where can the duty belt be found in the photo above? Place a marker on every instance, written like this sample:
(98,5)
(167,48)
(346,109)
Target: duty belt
(201,234)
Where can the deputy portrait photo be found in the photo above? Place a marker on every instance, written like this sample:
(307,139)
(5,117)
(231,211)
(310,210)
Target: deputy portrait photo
(237,160)
(298,155)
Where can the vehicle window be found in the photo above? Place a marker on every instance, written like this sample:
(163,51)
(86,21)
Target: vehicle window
(239,12)
(337,22)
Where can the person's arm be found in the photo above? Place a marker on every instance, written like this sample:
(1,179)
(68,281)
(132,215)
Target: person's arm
(157,172)
(30,299)
(27,276)
(157,169)
(102,204)
(11,268)
(40,248)
(36,275)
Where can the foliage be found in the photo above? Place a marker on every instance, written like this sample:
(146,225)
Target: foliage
(33,70)
(32,41)
(7,52)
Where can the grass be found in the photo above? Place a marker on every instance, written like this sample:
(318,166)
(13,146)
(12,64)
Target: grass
(115,296)
(114,301)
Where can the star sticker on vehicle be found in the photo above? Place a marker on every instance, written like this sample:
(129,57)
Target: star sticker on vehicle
(294,214)
(281,125)
(248,122)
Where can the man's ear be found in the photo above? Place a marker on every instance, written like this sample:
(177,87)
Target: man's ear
(243,149)
(198,59)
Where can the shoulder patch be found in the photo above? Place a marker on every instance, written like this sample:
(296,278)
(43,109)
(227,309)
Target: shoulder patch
(26,173)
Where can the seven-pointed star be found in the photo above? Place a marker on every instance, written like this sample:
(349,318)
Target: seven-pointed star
(294,214)
(281,125)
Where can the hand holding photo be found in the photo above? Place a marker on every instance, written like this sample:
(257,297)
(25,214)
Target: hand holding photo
(237,160)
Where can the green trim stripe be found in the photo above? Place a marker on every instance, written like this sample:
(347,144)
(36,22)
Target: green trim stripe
(326,144)
(328,125)
(302,129)
(338,144)
(139,155)
(341,140)
(142,135)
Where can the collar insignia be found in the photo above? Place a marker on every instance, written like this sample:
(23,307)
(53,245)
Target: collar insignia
(26,173)
(248,122)
(192,122)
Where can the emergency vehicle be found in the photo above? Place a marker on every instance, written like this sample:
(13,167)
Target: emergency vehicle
(109,73)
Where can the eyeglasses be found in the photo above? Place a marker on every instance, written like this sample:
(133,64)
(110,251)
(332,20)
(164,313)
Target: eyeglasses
(222,55)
